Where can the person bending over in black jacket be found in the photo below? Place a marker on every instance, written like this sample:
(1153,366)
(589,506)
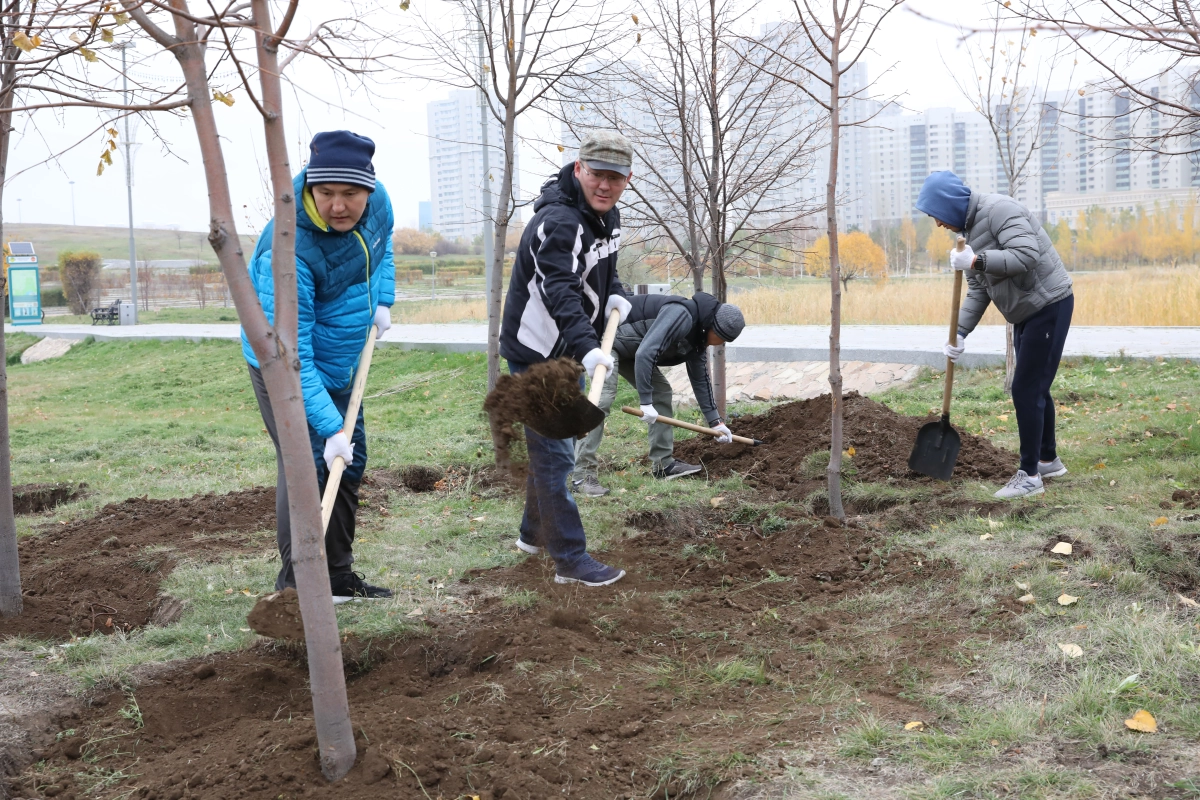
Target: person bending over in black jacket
(661,331)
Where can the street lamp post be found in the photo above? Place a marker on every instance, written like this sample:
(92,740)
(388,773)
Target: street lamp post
(133,293)
(433,258)
(72,202)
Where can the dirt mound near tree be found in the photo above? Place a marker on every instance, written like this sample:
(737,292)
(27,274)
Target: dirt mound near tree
(34,498)
(795,433)
(544,690)
(102,573)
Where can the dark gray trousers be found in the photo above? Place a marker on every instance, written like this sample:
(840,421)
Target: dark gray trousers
(339,537)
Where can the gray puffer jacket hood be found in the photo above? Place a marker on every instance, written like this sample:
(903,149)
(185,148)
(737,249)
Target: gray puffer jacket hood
(1024,273)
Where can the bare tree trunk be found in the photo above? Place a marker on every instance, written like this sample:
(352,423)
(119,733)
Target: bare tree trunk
(834,471)
(275,349)
(10,567)
(503,214)
(715,218)
(281,374)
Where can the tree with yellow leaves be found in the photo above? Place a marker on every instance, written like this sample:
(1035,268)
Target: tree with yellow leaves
(859,256)
(938,245)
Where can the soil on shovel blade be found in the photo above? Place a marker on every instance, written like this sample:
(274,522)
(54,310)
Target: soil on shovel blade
(103,573)
(674,682)
(881,438)
(541,391)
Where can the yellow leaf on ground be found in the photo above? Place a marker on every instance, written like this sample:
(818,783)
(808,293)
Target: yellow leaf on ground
(915,725)
(850,452)
(1062,549)
(1003,417)
(983,537)
(416,612)
(1070,650)
(1187,601)
(1024,587)
(715,502)
(1066,599)
(1142,720)
(1026,599)
(1160,521)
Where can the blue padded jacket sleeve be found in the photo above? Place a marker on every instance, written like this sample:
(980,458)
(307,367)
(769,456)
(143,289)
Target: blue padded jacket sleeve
(387,281)
(318,405)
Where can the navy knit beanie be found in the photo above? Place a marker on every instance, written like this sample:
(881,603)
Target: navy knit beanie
(728,322)
(341,157)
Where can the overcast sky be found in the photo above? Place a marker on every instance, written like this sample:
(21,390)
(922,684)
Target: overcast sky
(169,187)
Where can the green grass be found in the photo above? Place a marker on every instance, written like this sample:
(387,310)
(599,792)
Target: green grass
(173,419)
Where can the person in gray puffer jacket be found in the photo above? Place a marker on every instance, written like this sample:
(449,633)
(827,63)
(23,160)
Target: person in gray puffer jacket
(1010,261)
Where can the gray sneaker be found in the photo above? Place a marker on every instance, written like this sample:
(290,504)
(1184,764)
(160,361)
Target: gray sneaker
(1021,485)
(676,469)
(1054,469)
(590,486)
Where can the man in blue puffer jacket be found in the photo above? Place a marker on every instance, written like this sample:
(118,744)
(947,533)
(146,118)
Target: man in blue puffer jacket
(345,283)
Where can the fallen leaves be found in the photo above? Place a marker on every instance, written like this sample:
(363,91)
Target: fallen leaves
(1063,549)
(1160,521)
(983,537)
(716,502)
(1187,601)
(416,612)
(1128,683)
(1070,649)
(916,725)
(1067,599)
(1026,599)
(1142,721)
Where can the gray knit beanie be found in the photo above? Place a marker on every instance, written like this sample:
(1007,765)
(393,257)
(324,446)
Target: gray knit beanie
(728,322)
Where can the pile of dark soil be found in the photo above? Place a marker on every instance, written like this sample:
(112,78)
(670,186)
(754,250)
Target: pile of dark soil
(36,498)
(545,389)
(103,573)
(588,693)
(881,438)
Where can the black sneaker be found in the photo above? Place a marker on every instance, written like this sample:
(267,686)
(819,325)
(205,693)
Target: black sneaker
(676,469)
(349,586)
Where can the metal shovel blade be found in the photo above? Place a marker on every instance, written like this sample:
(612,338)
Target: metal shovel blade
(568,421)
(936,450)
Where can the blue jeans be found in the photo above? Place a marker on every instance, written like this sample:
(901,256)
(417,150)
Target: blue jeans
(551,517)
(1038,342)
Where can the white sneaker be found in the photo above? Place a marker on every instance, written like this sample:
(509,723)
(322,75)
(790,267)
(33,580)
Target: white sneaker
(1021,485)
(1053,469)
(532,549)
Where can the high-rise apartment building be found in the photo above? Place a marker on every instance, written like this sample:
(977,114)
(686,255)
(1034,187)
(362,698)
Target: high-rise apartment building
(456,176)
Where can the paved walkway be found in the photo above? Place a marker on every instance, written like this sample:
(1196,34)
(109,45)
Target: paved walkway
(794,380)
(876,344)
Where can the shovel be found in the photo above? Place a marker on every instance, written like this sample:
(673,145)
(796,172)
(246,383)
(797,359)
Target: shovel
(687,426)
(937,445)
(339,464)
(582,414)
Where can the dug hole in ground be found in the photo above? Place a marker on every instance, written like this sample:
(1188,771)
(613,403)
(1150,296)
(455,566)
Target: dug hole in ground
(708,664)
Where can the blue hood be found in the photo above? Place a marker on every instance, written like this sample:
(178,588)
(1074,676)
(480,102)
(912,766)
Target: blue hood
(945,198)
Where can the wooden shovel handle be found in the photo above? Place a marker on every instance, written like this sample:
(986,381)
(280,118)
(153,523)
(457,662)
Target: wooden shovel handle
(953,340)
(610,333)
(339,464)
(687,426)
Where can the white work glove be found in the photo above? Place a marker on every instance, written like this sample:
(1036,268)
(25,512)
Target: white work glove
(338,445)
(962,259)
(726,436)
(383,318)
(649,414)
(594,358)
(621,304)
(954,352)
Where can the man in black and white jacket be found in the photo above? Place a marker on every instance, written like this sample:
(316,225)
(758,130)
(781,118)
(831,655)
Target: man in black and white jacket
(564,284)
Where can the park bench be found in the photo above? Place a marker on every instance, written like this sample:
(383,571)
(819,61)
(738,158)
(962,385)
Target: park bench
(110,314)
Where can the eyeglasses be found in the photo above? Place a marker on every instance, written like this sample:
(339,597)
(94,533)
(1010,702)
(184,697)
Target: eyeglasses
(609,178)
